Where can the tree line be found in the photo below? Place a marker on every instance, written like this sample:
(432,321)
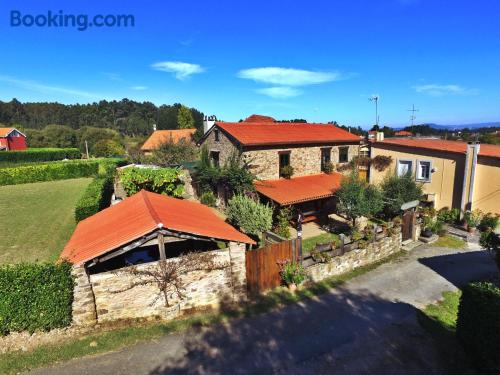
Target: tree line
(127,117)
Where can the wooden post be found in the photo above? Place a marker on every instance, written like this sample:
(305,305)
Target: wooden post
(161,246)
(342,241)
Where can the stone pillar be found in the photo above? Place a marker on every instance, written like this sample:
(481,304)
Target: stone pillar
(84,310)
(238,270)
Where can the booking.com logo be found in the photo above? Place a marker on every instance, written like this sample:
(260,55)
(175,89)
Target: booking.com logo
(79,21)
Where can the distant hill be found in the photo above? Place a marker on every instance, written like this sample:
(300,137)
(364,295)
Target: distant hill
(463,126)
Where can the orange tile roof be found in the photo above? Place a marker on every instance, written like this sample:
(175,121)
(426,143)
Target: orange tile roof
(259,118)
(142,214)
(161,136)
(4,132)
(300,189)
(442,145)
(267,133)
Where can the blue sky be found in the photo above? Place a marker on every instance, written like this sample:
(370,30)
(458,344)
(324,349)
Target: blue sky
(319,60)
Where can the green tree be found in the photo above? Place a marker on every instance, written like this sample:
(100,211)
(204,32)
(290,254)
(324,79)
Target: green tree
(397,190)
(185,118)
(93,135)
(175,153)
(249,215)
(107,148)
(357,198)
(236,175)
(59,136)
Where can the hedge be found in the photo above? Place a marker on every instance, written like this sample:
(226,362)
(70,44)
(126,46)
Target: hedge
(35,297)
(40,154)
(96,197)
(47,172)
(478,325)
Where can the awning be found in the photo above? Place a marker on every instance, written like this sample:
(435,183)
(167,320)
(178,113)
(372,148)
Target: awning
(300,189)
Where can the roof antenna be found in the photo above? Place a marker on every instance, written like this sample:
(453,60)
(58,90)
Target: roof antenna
(413,117)
(375,99)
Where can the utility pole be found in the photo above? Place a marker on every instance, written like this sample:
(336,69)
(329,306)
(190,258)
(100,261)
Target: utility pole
(413,117)
(87,149)
(375,98)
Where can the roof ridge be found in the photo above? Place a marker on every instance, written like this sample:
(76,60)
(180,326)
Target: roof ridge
(151,209)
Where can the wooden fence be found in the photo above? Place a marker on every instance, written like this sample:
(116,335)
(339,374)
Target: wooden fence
(262,265)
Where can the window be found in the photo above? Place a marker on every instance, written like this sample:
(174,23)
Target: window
(325,157)
(214,157)
(404,167)
(284,160)
(424,170)
(216,135)
(343,154)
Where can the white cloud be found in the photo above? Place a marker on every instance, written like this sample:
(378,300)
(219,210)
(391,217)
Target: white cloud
(441,90)
(288,76)
(280,92)
(180,69)
(139,88)
(43,88)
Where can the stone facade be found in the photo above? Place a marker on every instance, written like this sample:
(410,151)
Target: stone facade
(356,258)
(264,161)
(84,312)
(204,289)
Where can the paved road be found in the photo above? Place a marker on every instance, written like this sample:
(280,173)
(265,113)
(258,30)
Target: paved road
(368,326)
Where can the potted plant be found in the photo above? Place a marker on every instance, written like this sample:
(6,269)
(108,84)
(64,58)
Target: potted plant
(292,274)
(472,219)
(286,171)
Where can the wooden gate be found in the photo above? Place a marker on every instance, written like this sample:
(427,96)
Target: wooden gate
(262,265)
(407,228)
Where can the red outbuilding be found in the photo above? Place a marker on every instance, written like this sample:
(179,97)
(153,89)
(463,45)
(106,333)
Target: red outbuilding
(12,139)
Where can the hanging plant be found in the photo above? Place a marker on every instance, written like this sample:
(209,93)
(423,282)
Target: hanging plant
(381,162)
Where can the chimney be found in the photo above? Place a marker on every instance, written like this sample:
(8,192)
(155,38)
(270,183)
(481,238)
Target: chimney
(208,122)
(379,136)
(154,127)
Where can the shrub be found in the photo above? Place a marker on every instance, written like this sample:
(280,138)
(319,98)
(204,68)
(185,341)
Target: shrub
(208,198)
(489,221)
(449,216)
(282,227)
(328,167)
(249,215)
(40,154)
(35,296)
(107,148)
(291,272)
(96,197)
(478,325)
(48,172)
(491,242)
(473,218)
(163,181)
(287,171)
(175,153)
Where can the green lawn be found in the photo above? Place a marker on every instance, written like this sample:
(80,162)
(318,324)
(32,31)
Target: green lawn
(449,241)
(445,311)
(37,219)
(309,243)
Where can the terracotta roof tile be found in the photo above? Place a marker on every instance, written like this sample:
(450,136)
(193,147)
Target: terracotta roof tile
(161,136)
(403,133)
(265,133)
(4,132)
(300,189)
(259,118)
(142,214)
(441,145)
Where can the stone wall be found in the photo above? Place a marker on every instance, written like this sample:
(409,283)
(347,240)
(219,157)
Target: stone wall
(84,312)
(203,289)
(224,146)
(356,258)
(264,163)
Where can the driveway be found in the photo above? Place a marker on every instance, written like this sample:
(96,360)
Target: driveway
(369,326)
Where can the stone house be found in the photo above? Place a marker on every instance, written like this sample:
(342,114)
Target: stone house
(268,146)
(141,231)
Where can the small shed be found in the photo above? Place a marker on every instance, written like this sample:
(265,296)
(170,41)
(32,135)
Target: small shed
(147,227)
(12,139)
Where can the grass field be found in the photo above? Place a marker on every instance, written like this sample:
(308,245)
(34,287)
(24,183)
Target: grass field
(449,241)
(37,219)
(309,243)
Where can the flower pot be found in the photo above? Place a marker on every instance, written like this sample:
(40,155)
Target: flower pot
(292,287)
(427,233)
(471,229)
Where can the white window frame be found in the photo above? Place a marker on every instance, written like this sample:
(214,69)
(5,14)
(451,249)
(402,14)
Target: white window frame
(399,161)
(417,171)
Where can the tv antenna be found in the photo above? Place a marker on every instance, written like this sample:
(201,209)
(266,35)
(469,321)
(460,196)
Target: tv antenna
(375,99)
(413,117)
